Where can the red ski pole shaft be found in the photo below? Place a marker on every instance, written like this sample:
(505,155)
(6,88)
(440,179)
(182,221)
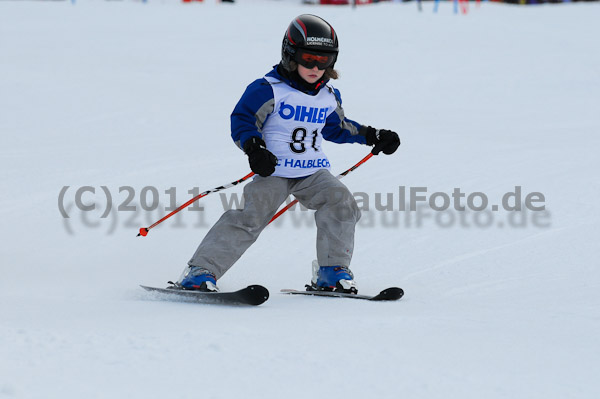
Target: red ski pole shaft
(144,230)
(344,173)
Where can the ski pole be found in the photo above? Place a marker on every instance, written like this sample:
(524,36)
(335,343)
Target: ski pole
(144,230)
(294,202)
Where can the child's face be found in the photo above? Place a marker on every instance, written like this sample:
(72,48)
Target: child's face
(310,75)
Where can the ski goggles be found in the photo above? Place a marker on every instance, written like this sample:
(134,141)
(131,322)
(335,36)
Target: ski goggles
(310,60)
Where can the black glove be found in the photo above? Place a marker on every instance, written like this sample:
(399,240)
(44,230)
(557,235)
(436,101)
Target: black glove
(383,140)
(262,161)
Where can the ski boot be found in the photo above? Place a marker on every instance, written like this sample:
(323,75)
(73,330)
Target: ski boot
(332,278)
(198,279)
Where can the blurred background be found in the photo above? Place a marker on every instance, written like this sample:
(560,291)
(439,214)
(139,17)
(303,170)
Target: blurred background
(135,98)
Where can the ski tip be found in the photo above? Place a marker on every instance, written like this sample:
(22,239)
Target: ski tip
(258,294)
(389,294)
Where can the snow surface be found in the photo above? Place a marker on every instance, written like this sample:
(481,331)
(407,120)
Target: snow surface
(130,94)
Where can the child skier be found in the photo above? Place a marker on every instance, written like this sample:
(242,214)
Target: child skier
(279,123)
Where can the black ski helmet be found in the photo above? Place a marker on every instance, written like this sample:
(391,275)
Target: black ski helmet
(311,33)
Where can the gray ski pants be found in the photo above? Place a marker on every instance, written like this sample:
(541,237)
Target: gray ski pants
(336,216)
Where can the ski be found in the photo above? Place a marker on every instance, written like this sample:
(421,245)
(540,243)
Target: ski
(252,295)
(389,294)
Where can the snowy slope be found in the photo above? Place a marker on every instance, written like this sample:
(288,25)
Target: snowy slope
(130,94)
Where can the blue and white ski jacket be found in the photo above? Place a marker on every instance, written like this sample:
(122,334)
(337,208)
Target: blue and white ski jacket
(293,122)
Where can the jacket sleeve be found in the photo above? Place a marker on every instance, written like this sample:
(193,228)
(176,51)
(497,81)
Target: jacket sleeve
(251,112)
(340,129)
